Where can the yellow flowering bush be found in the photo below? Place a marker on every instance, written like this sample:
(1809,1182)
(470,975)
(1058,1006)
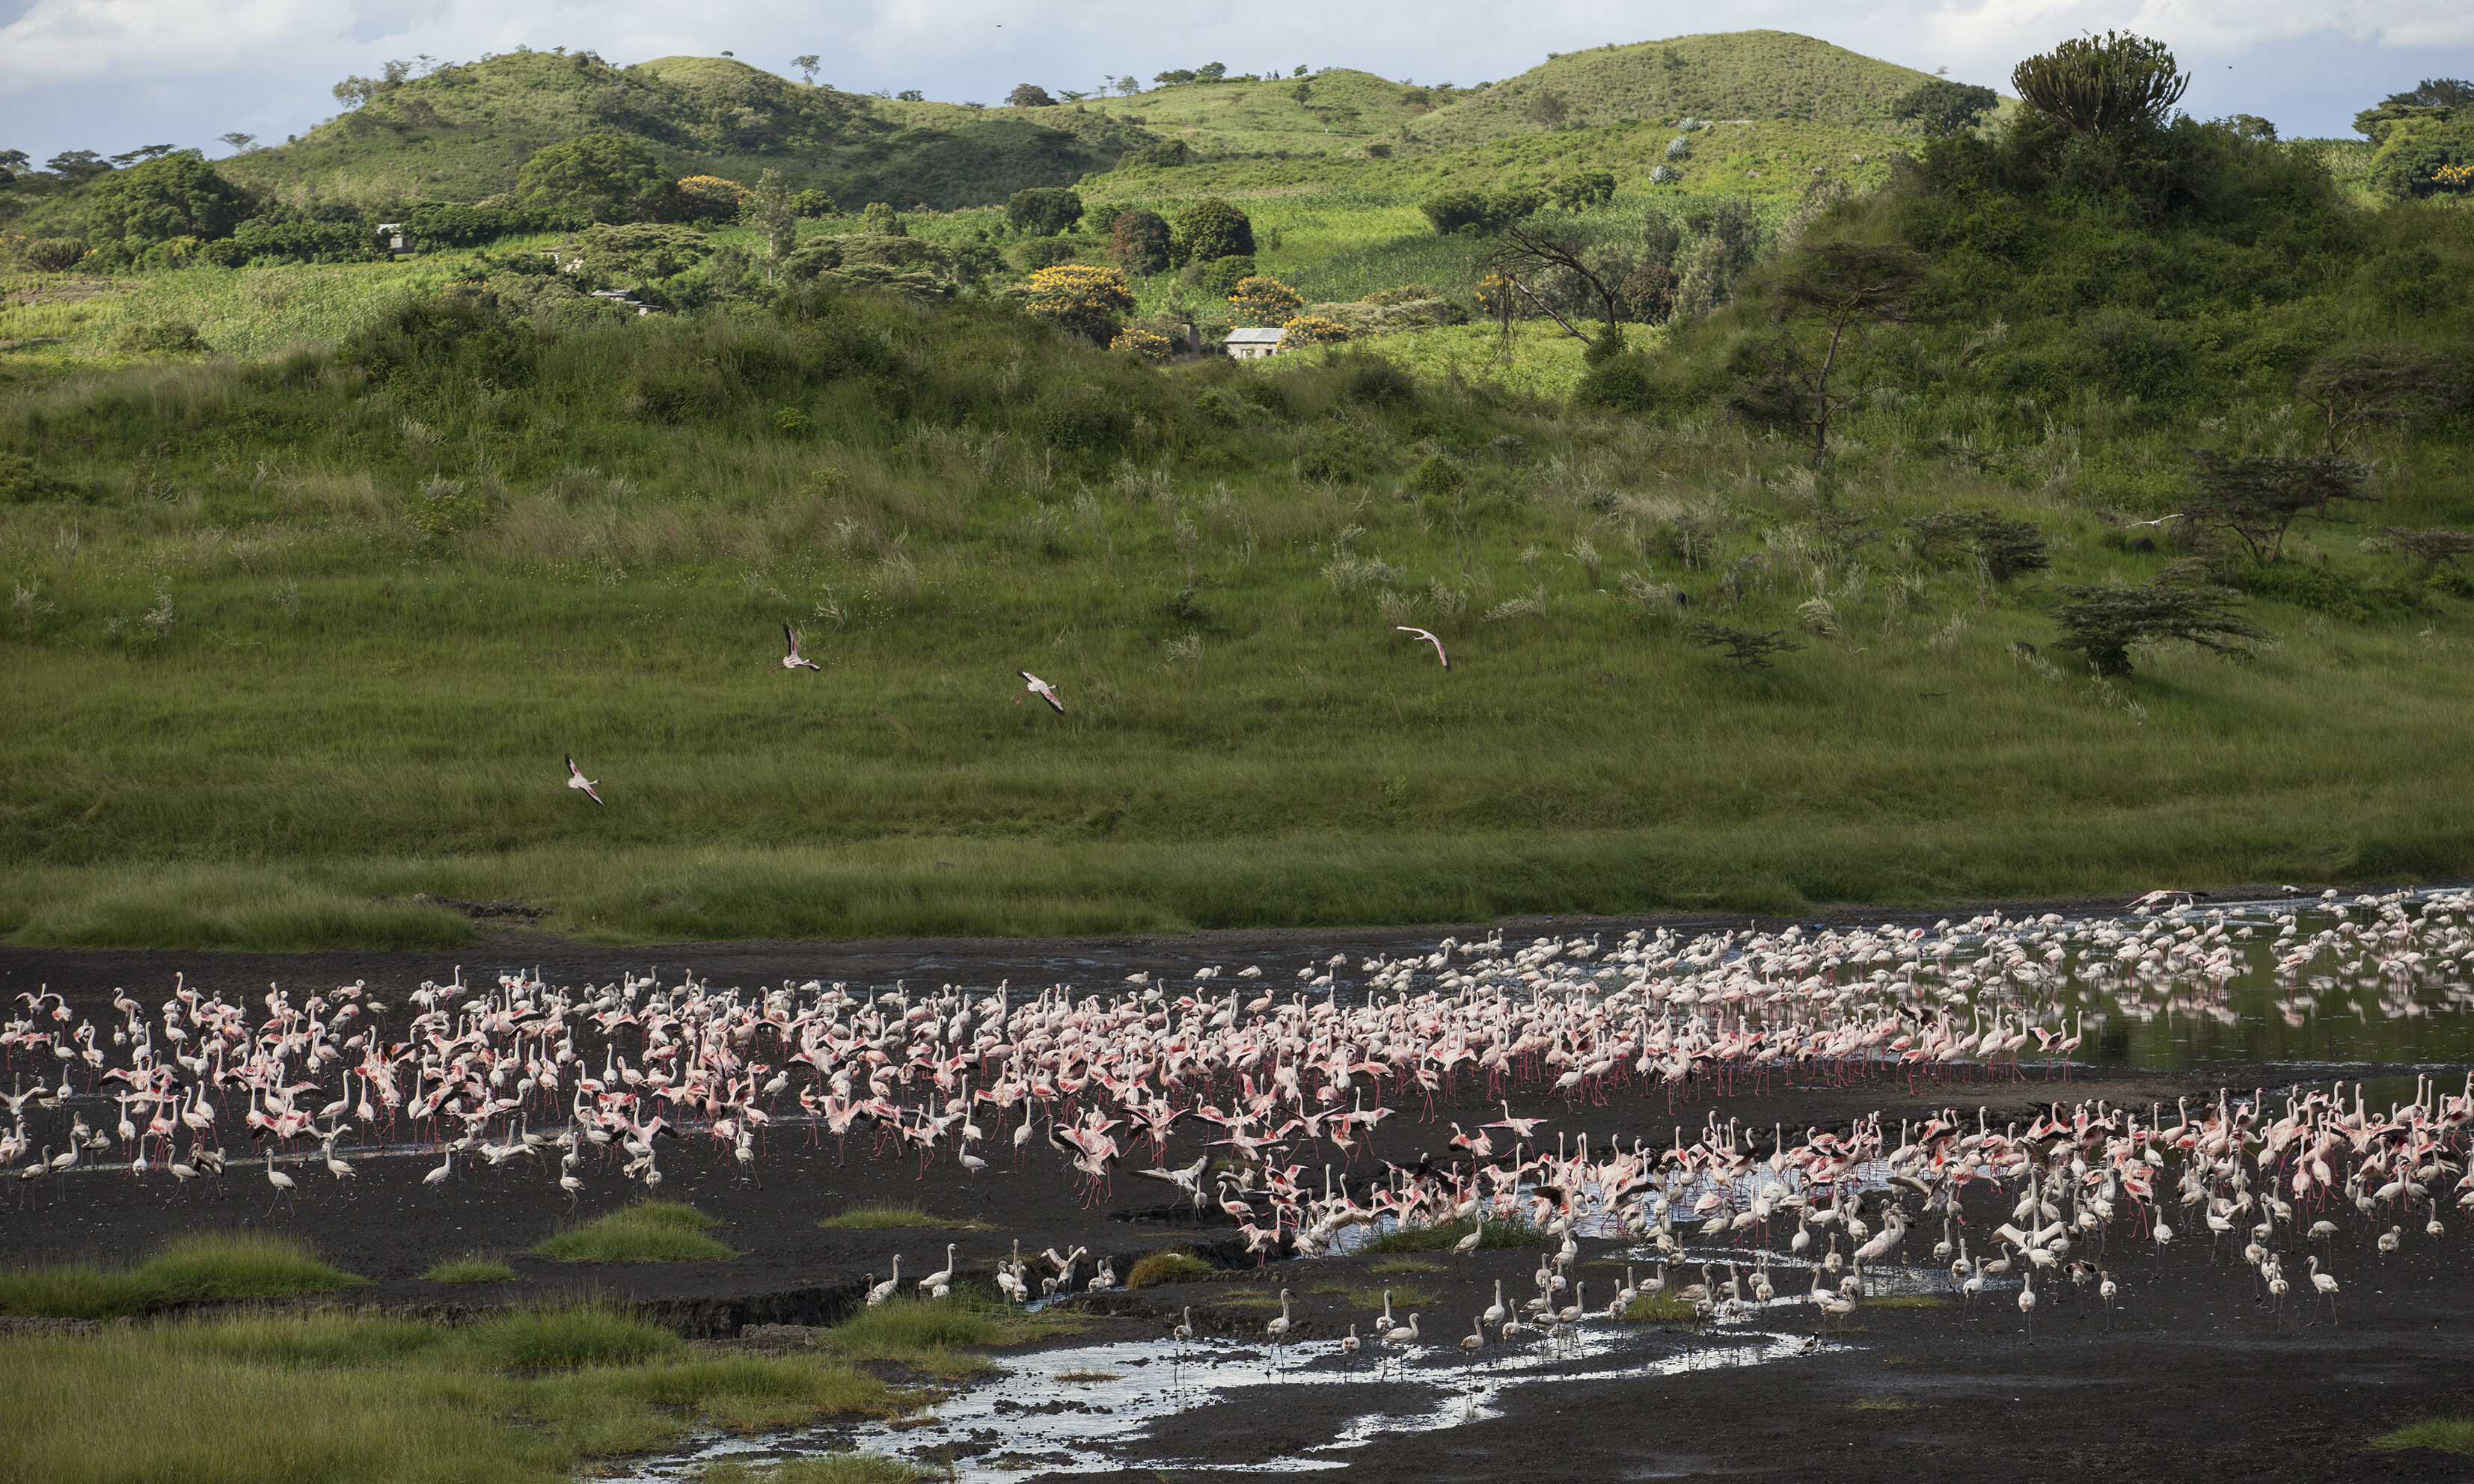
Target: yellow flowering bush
(1260,300)
(1313,329)
(1087,298)
(1146,342)
(709,198)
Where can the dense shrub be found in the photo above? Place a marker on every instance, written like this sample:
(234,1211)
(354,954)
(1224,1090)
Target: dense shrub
(1211,229)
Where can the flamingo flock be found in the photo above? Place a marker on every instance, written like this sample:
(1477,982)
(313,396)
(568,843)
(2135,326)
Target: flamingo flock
(1283,1086)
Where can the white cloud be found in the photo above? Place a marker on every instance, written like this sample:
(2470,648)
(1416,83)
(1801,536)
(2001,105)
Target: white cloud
(112,74)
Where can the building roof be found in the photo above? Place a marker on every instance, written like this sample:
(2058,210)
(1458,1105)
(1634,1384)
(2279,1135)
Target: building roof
(1254,337)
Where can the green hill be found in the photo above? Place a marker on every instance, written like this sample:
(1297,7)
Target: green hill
(1334,111)
(1740,74)
(461,132)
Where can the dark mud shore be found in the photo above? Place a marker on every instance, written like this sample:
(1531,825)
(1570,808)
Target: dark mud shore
(2193,1380)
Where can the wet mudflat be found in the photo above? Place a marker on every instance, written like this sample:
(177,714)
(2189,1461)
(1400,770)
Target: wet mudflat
(2193,1373)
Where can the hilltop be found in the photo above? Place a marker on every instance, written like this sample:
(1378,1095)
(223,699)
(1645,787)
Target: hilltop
(460,133)
(1741,74)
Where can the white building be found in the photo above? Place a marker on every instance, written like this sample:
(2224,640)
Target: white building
(1252,344)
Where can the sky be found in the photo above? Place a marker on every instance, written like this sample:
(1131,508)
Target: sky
(113,75)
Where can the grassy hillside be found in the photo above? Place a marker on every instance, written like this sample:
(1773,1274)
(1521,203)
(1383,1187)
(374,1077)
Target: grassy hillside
(1741,74)
(360,603)
(1339,111)
(459,133)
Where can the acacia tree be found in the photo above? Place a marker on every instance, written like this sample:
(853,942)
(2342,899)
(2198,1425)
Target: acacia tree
(2257,499)
(2101,624)
(1840,288)
(2362,386)
(1528,250)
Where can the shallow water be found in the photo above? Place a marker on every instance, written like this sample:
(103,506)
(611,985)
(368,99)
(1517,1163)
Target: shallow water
(1072,1408)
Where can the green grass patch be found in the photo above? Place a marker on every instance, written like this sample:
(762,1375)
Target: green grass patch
(1661,1307)
(1907,1302)
(1403,1296)
(313,1399)
(881,1216)
(1442,1236)
(557,1337)
(1157,1268)
(1406,1265)
(893,1215)
(917,1331)
(1883,1404)
(470,1269)
(653,1231)
(2443,1434)
(205,1266)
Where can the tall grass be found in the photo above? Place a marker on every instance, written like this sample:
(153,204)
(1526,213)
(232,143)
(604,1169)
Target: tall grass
(362,705)
(910,1329)
(307,1400)
(202,1266)
(649,1231)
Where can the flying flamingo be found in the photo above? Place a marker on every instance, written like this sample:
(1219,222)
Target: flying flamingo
(1426,638)
(576,779)
(794,660)
(1043,689)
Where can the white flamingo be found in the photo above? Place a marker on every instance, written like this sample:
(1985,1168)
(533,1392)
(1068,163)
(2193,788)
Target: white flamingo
(794,660)
(576,779)
(1424,636)
(1043,689)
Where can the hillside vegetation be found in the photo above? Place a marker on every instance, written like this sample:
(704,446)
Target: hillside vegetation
(460,133)
(298,637)
(1730,75)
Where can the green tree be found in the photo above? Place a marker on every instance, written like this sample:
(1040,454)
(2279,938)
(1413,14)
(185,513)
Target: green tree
(2358,387)
(642,250)
(709,198)
(2103,85)
(1090,300)
(1485,212)
(1209,230)
(2101,624)
(1043,210)
(807,67)
(1030,95)
(1828,291)
(177,196)
(2256,499)
(78,166)
(1138,241)
(1942,108)
(2437,95)
(1583,189)
(812,203)
(881,220)
(595,178)
(768,206)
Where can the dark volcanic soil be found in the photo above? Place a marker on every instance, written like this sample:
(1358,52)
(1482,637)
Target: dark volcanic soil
(2192,1381)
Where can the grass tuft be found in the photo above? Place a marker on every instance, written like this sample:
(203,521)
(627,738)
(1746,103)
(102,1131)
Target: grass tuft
(561,1337)
(1166,1268)
(206,1266)
(2443,1434)
(654,1231)
(881,1216)
(1396,1266)
(473,1268)
(921,1331)
(1443,1235)
(1403,1296)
